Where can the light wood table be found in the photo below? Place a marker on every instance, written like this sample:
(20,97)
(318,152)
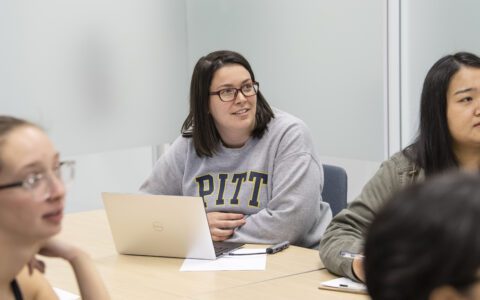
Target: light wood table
(300,286)
(142,277)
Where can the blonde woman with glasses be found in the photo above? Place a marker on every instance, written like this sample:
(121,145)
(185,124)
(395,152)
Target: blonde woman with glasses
(32,198)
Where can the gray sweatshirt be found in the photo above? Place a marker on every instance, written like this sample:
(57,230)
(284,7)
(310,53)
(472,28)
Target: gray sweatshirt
(276,181)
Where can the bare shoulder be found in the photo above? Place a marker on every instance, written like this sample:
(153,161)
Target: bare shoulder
(35,285)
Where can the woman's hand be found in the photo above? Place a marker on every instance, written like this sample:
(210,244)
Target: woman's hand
(52,248)
(57,248)
(357,267)
(35,263)
(223,224)
(89,281)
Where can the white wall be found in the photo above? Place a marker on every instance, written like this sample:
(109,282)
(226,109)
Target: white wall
(320,60)
(108,78)
(105,78)
(323,61)
(112,171)
(431,29)
(97,74)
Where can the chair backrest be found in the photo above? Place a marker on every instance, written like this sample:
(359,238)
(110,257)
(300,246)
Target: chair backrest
(335,187)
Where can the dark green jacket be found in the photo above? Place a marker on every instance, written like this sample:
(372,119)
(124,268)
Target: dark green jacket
(348,229)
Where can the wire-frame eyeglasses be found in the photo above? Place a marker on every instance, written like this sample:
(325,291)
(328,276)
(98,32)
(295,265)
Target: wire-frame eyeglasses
(38,183)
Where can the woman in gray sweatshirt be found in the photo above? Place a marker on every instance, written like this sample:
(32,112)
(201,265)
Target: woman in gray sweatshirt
(255,167)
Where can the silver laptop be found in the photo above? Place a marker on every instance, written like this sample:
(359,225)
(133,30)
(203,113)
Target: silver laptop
(157,225)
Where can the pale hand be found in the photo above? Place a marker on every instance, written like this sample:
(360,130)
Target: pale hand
(52,248)
(35,263)
(223,224)
(57,248)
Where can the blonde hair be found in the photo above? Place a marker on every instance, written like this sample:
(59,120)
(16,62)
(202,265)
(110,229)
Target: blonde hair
(7,125)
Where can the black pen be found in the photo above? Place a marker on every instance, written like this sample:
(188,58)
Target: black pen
(278,247)
(270,250)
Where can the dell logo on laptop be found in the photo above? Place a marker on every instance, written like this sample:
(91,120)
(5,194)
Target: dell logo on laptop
(157,226)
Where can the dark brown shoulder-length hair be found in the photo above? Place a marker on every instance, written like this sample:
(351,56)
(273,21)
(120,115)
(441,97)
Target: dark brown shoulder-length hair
(432,149)
(199,124)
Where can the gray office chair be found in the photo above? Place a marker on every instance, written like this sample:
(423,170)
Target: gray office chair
(335,187)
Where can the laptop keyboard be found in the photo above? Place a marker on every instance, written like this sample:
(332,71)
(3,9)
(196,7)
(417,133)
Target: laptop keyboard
(225,247)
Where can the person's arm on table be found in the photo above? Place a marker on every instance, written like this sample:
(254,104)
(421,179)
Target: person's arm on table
(347,230)
(89,281)
(222,225)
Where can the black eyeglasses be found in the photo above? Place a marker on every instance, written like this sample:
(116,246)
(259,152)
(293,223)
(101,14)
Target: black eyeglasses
(230,94)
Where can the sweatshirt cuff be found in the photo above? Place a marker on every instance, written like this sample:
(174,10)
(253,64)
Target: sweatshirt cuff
(347,264)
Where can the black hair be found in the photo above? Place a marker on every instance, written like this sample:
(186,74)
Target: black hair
(199,124)
(425,237)
(432,149)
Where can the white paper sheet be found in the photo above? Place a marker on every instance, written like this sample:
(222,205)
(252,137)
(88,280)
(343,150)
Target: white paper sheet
(228,263)
(64,295)
(345,283)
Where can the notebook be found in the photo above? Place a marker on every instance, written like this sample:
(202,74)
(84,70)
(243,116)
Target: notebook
(159,225)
